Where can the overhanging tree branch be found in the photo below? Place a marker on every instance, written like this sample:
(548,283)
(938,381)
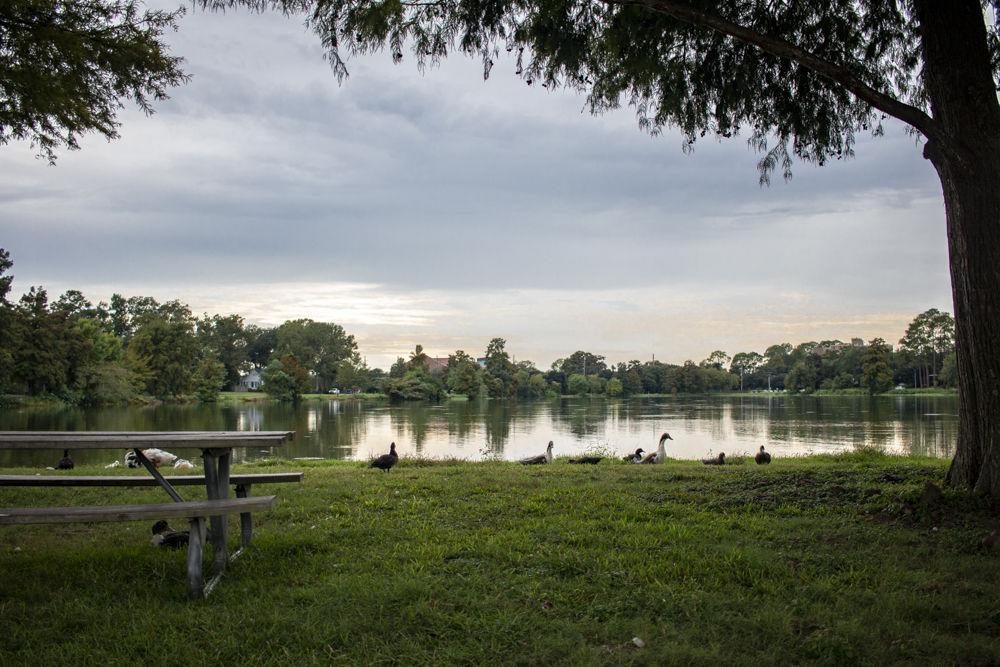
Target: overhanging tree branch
(915,117)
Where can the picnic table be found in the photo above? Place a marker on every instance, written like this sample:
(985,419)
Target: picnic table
(216,448)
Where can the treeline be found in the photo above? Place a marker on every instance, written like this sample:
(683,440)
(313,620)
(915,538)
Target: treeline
(117,352)
(925,357)
(135,347)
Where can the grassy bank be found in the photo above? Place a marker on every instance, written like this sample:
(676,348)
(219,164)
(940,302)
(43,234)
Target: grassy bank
(823,560)
(259,396)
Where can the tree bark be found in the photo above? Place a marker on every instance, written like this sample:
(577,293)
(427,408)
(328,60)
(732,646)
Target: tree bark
(962,94)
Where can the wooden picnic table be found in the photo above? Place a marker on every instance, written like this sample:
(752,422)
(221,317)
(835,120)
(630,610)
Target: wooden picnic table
(216,448)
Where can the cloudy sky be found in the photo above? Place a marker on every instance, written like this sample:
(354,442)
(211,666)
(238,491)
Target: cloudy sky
(440,209)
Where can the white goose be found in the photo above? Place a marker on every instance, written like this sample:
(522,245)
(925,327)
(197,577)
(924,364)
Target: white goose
(660,455)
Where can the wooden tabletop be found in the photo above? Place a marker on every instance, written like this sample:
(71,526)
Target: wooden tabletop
(142,439)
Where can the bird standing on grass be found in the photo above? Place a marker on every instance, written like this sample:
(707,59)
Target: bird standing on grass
(386,461)
(660,455)
(541,458)
(65,463)
(720,460)
(168,538)
(635,457)
(762,457)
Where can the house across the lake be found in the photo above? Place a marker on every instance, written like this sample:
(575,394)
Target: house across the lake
(249,381)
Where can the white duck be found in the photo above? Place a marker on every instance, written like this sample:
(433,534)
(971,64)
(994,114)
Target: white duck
(541,458)
(660,455)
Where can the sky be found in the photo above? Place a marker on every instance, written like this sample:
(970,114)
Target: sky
(440,209)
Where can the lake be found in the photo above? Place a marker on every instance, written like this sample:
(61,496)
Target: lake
(700,426)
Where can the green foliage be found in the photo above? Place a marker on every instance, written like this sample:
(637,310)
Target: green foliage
(615,388)
(280,384)
(67,65)
(209,379)
(929,338)
(227,340)
(464,375)
(876,374)
(321,347)
(416,385)
(578,384)
(165,347)
(499,376)
(802,378)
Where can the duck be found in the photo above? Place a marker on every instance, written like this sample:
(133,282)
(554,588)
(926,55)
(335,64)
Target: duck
(719,460)
(157,457)
(762,457)
(635,457)
(386,461)
(588,460)
(168,538)
(541,458)
(660,455)
(65,463)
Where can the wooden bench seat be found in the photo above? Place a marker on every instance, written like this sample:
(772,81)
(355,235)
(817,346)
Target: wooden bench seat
(243,484)
(194,511)
(145,480)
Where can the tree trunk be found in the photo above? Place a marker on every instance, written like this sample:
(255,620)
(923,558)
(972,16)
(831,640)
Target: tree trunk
(962,94)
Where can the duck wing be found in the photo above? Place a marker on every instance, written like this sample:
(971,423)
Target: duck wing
(534,460)
(651,458)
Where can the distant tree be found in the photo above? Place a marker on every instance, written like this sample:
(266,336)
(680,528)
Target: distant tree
(279,384)
(464,374)
(41,346)
(949,370)
(929,338)
(416,385)
(745,364)
(578,384)
(319,346)
(6,323)
(260,344)
(499,373)
(418,359)
(209,379)
(166,348)
(584,363)
(68,64)
(398,368)
(224,338)
(876,372)
(615,388)
(717,359)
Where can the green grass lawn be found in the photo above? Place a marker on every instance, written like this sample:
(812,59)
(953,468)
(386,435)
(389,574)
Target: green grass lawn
(820,560)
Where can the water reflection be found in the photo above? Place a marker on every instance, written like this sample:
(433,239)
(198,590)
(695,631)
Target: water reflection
(348,429)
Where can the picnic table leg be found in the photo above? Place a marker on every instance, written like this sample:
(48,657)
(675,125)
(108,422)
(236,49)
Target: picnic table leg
(246,518)
(195,577)
(217,484)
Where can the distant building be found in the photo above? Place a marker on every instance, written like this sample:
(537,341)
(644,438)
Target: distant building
(857,342)
(249,381)
(437,364)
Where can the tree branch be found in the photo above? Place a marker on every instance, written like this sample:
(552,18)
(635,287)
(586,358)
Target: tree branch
(681,11)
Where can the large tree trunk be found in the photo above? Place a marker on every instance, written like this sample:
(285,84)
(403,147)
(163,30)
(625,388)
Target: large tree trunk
(963,99)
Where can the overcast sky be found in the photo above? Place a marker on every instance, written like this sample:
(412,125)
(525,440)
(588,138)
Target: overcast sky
(444,210)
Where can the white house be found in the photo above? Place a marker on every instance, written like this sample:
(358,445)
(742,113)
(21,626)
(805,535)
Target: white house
(249,381)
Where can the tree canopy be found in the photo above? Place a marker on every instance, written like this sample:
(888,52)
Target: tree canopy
(66,66)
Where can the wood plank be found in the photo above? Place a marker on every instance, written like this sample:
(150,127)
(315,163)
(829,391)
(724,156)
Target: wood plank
(186,510)
(141,439)
(131,480)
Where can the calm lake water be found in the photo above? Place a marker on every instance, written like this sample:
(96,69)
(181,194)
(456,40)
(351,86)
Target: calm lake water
(473,430)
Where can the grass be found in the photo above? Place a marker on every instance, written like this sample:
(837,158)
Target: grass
(820,560)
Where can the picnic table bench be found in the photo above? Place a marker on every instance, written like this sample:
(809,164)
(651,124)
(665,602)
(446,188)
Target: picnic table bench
(216,449)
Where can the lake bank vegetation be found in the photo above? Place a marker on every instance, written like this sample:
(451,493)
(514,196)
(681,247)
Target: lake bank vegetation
(819,560)
(136,349)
